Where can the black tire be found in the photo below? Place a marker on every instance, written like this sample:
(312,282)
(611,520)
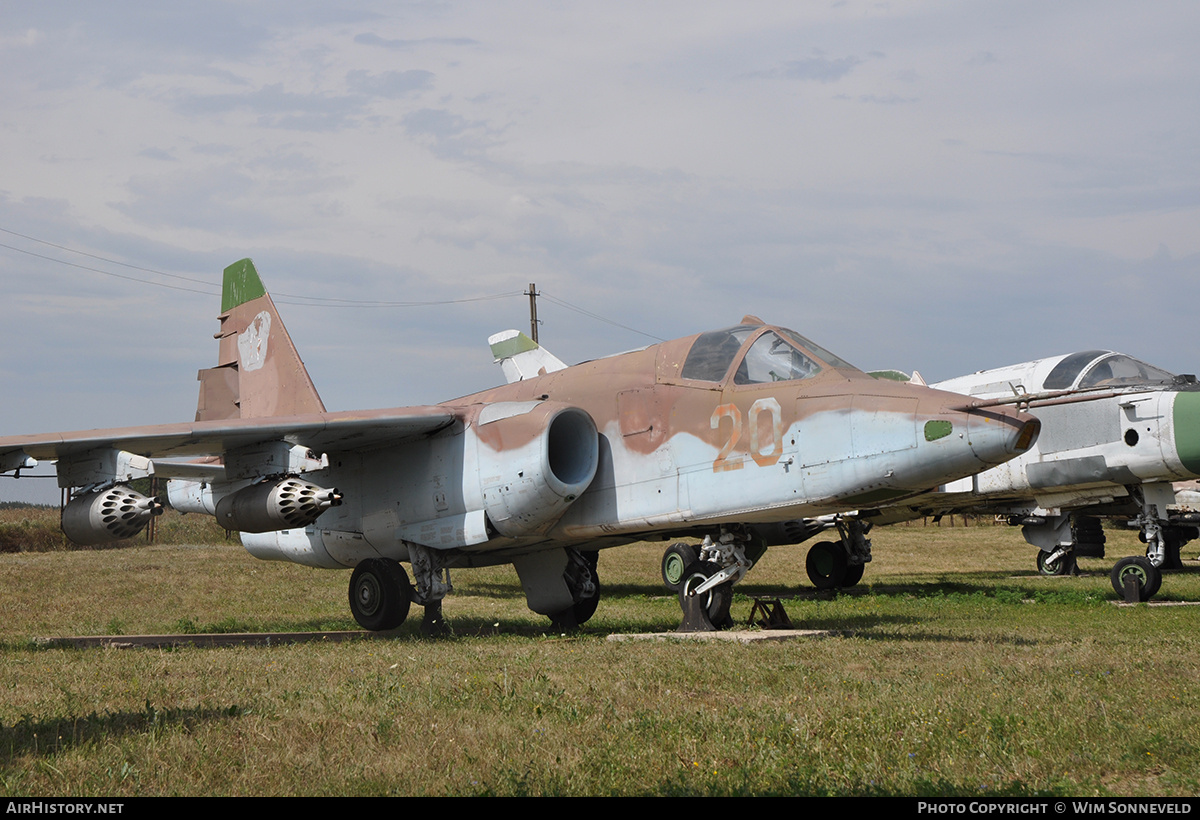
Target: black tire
(854,574)
(1149,578)
(380,594)
(826,565)
(675,562)
(585,609)
(1045,566)
(718,599)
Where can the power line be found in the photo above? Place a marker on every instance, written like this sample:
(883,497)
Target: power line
(597,316)
(282,298)
(102,258)
(287,298)
(109,273)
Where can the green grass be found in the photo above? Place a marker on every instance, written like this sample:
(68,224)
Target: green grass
(953,669)
(26,528)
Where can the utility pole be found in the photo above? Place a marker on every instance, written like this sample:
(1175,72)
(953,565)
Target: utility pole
(533,320)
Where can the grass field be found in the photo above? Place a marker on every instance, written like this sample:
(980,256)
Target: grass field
(954,670)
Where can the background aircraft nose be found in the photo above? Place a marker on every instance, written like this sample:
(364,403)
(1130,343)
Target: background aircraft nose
(1185,417)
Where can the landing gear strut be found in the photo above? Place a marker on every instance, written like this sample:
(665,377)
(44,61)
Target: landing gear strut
(433,584)
(706,584)
(1162,541)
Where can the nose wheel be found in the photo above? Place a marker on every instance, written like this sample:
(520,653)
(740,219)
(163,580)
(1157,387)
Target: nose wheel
(1148,576)
(707,610)
(826,565)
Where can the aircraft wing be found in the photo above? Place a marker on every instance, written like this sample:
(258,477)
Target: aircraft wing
(320,432)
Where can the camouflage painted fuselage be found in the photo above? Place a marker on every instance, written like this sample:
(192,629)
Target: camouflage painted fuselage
(673,454)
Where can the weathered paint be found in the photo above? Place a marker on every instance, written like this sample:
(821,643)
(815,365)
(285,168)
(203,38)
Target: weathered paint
(241,284)
(510,346)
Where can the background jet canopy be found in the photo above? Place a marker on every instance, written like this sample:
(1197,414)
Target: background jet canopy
(1103,368)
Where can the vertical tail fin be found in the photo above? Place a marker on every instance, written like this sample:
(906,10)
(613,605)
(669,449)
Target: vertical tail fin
(258,372)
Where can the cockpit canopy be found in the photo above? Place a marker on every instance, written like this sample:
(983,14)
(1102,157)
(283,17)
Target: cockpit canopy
(772,354)
(1102,368)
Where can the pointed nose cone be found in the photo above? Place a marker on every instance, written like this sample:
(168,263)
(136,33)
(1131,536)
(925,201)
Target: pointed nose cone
(960,440)
(997,434)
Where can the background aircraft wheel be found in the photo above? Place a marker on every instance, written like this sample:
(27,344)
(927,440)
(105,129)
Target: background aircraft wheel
(854,574)
(675,562)
(717,600)
(1058,566)
(380,594)
(1149,578)
(826,565)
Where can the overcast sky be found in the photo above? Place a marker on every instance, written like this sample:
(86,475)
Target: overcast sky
(945,186)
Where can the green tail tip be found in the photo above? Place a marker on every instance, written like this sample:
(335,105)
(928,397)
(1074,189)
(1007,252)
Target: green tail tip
(511,346)
(241,285)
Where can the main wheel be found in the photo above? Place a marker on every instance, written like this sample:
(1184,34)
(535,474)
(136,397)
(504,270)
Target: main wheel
(1058,566)
(586,608)
(854,574)
(675,562)
(826,565)
(380,594)
(716,601)
(1148,577)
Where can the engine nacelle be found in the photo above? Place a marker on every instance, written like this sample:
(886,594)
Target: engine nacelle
(534,461)
(108,515)
(282,504)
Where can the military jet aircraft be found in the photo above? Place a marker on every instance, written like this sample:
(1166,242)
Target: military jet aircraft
(1116,432)
(728,435)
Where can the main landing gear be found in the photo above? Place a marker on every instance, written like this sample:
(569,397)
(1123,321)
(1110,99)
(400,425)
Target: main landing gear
(583,581)
(1061,539)
(381,594)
